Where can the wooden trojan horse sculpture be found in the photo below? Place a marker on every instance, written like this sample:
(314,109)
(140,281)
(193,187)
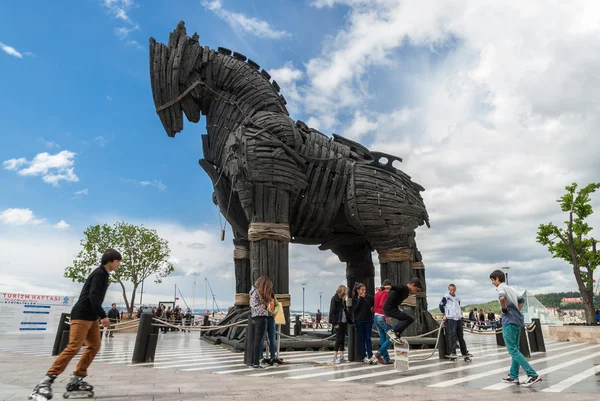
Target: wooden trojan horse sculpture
(278,181)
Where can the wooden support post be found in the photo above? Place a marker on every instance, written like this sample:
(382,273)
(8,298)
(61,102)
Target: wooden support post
(62,326)
(398,266)
(269,236)
(356,253)
(241,261)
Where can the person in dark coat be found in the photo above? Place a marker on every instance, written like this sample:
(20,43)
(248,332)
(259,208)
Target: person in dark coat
(339,317)
(114,316)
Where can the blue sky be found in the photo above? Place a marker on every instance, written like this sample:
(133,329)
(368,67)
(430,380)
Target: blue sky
(478,100)
(86,90)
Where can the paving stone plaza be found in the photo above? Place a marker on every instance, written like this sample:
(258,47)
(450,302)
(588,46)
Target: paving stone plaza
(187,368)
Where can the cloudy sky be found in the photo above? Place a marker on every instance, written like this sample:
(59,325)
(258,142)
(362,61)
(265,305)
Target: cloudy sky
(492,105)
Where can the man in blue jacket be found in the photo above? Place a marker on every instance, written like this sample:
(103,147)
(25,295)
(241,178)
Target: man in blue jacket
(450,307)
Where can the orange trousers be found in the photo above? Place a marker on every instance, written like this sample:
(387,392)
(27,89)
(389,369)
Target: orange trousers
(82,331)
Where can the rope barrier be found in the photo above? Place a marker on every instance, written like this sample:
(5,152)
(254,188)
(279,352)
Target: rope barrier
(203,328)
(316,340)
(437,342)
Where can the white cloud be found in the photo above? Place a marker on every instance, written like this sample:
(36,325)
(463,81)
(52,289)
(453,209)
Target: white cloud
(122,32)
(80,193)
(49,144)
(52,168)
(147,183)
(492,109)
(154,183)
(14,164)
(286,74)
(241,23)
(119,8)
(135,44)
(11,51)
(62,225)
(19,217)
(102,141)
(109,98)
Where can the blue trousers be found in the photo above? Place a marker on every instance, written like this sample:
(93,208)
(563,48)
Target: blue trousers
(272,339)
(363,329)
(384,339)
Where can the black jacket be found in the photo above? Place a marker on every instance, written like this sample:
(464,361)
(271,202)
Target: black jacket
(363,309)
(336,308)
(397,295)
(89,304)
(113,314)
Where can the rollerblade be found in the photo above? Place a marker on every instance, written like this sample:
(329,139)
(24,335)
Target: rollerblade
(451,357)
(468,357)
(78,388)
(43,391)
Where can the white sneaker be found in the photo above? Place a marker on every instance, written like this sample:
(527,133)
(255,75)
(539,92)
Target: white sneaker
(342,359)
(374,360)
(336,359)
(367,361)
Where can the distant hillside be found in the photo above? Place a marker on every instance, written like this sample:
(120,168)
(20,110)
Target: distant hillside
(552,300)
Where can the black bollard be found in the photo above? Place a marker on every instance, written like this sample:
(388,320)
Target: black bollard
(533,346)
(248,342)
(145,340)
(64,340)
(442,343)
(351,341)
(62,327)
(523,345)
(297,326)
(499,337)
(539,335)
(358,357)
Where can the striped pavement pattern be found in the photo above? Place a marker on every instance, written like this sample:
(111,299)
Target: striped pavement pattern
(565,367)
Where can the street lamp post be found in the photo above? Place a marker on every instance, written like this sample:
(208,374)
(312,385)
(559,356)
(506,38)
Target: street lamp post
(303,301)
(320,304)
(506,268)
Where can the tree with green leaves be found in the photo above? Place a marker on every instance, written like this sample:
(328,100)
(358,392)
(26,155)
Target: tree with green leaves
(144,254)
(573,242)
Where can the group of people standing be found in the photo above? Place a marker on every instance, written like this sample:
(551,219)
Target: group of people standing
(364,310)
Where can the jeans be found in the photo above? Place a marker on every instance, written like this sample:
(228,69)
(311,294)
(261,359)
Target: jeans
(259,324)
(363,329)
(340,337)
(454,332)
(384,339)
(272,339)
(82,331)
(512,338)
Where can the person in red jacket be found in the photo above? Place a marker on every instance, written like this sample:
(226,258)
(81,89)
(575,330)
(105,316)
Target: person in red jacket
(383,324)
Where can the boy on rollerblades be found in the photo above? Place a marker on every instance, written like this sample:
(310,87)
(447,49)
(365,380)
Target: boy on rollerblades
(84,328)
(397,294)
(450,307)
(512,322)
